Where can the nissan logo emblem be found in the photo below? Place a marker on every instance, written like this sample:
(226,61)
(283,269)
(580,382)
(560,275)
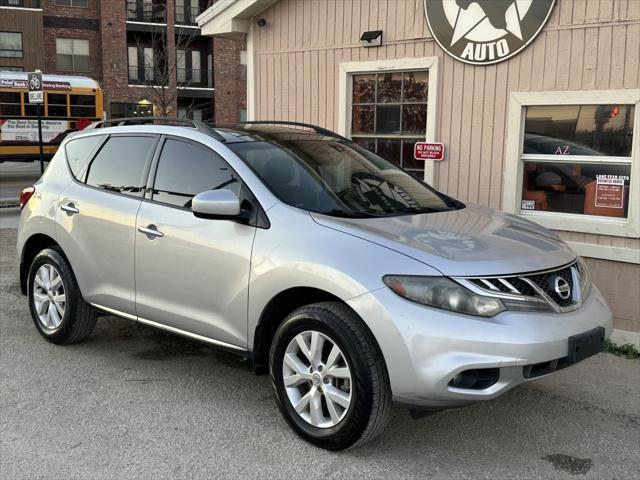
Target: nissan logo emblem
(562,288)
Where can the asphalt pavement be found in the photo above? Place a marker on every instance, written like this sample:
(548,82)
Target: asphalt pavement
(133,402)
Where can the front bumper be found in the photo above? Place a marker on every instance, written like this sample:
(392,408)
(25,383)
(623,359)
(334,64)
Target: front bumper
(424,348)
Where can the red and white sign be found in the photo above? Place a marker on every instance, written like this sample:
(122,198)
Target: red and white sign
(428,151)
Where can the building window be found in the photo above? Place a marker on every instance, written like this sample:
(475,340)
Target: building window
(574,166)
(181,65)
(12,69)
(243,114)
(389,115)
(72,54)
(577,159)
(144,56)
(132,53)
(243,64)
(122,110)
(11,44)
(196,66)
(149,63)
(146,11)
(72,3)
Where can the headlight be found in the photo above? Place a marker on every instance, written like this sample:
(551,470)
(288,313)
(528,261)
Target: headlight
(442,292)
(585,280)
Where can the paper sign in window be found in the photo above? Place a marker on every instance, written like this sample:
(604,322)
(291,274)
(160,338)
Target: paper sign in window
(609,191)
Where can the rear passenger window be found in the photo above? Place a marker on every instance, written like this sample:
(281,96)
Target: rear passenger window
(79,152)
(184,170)
(119,164)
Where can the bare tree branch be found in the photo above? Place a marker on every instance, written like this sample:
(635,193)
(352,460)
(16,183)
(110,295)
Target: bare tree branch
(161,69)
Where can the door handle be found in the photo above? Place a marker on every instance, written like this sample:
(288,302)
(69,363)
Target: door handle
(69,208)
(151,231)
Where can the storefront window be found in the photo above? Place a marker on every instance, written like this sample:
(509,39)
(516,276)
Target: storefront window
(389,115)
(577,159)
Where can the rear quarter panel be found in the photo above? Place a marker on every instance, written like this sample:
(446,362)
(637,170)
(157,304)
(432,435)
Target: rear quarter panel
(38,215)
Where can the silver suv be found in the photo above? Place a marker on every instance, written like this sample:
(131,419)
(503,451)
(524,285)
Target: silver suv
(354,284)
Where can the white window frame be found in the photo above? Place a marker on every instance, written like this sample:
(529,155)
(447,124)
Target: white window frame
(430,64)
(513,166)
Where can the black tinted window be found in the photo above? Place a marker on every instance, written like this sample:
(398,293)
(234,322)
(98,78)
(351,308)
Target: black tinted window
(119,163)
(185,170)
(79,152)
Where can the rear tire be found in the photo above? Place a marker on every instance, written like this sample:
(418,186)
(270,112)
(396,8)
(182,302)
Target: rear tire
(58,310)
(336,411)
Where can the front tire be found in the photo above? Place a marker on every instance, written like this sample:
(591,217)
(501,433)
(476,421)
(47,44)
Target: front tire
(58,310)
(329,376)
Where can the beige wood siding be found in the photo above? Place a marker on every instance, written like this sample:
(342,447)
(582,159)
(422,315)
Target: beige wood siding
(586,44)
(590,44)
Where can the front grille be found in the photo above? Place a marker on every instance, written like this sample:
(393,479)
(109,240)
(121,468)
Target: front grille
(547,283)
(555,287)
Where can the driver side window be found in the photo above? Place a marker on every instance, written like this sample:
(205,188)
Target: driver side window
(185,169)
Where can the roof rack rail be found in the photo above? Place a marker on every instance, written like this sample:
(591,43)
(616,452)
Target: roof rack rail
(171,121)
(315,128)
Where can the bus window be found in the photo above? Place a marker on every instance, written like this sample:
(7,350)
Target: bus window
(30,109)
(10,103)
(83,105)
(57,105)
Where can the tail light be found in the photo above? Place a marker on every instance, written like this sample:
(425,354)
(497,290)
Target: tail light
(25,195)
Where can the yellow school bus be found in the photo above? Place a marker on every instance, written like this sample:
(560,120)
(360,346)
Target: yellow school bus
(70,103)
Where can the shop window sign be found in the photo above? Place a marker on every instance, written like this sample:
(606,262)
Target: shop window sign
(577,159)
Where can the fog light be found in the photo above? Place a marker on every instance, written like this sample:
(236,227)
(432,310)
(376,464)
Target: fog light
(465,379)
(476,379)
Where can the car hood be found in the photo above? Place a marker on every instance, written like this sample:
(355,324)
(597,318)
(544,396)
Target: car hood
(473,241)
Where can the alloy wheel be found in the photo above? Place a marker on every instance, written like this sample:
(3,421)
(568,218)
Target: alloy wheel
(317,379)
(49,299)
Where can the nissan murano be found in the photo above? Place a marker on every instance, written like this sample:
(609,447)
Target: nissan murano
(355,285)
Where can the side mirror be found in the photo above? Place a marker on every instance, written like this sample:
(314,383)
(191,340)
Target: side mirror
(216,204)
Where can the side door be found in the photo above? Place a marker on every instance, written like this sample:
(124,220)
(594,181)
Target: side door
(96,216)
(192,274)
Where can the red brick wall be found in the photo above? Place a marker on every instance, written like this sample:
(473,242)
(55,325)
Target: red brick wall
(92,12)
(230,88)
(108,57)
(113,29)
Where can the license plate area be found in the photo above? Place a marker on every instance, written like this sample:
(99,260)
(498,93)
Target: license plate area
(585,344)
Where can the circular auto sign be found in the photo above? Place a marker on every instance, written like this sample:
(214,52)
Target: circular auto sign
(482,32)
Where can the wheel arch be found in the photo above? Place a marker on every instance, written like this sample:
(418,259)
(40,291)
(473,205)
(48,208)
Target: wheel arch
(276,310)
(34,244)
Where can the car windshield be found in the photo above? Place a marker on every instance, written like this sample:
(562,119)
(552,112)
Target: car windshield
(339,178)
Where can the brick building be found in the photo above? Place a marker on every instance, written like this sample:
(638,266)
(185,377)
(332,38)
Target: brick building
(148,55)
